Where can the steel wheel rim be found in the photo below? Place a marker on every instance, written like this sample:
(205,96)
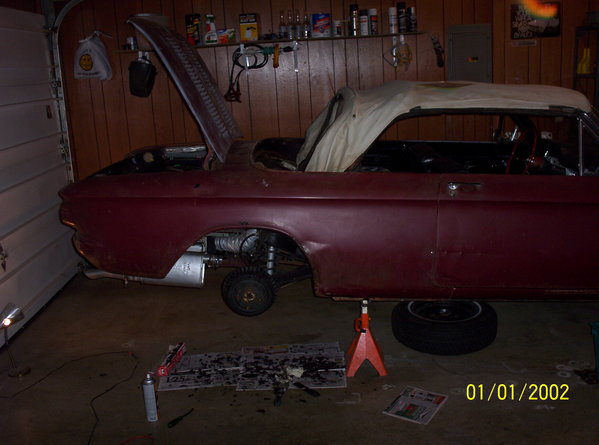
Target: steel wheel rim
(445,312)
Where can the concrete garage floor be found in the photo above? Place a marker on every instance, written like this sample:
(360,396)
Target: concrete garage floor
(75,349)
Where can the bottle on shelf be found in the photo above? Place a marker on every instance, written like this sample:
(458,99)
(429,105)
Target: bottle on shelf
(283,34)
(290,26)
(306,27)
(402,17)
(412,20)
(354,21)
(211,37)
(363,22)
(584,65)
(373,22)
(392,20)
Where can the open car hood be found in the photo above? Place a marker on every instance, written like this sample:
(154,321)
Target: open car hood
(195,84)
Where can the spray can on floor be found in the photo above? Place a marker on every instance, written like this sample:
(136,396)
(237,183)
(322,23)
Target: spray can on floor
(150,398)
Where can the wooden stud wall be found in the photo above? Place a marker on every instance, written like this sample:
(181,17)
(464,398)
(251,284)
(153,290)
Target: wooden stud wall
(106,121)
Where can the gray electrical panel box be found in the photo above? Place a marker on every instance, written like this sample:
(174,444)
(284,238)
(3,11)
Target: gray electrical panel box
(470,53)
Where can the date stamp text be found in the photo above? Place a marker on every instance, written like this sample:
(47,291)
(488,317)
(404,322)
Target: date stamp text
(519,393)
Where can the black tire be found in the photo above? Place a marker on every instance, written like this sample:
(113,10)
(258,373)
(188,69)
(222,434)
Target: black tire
(444,328)
(249,291)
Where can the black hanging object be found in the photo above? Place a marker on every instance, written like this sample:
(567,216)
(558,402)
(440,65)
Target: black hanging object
(439,51)
(141,77)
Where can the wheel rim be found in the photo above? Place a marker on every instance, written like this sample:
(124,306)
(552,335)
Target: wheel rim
(249,296)
(445,312)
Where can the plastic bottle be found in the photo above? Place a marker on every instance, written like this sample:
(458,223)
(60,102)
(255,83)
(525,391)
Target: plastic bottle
(210,37)
(150,398)
(306,27)
(584,65)
(373,22)
(283,34)
(290,26)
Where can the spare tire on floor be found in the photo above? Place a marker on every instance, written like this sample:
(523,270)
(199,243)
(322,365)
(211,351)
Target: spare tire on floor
(444,327)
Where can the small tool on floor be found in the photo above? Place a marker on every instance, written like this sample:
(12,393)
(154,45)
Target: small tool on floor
(176,420)
(364,346)
(307,390)
(279,390)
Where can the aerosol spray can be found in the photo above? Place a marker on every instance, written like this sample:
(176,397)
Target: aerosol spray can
(150,399)
(402,17)
(363,15)
(412,20)
(354,20)
(373,22)
(393,20)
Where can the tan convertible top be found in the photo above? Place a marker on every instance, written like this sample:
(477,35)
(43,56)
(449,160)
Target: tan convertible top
(355,121)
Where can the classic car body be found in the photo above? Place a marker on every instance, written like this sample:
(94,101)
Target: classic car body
(509,215)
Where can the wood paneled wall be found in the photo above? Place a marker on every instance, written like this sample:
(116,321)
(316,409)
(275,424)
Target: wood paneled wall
(106,121)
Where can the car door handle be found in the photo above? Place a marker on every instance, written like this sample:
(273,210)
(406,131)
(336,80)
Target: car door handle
(454,187)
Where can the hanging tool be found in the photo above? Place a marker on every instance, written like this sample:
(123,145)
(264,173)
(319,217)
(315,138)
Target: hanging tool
(439,51)
(275,56)
(250,57)
(400,53)
(295,47)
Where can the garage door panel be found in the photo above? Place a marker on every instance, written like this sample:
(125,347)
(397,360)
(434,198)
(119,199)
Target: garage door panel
(40,278)
(41,257)
(11,157)
(31,168)
(30,240)
(10,18)
(39,116)
(25,93)
(23,202)
(24,49)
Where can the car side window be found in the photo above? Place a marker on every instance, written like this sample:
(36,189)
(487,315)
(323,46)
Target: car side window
(514,143)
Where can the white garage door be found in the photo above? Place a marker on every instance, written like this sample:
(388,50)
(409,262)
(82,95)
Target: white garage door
(36,255)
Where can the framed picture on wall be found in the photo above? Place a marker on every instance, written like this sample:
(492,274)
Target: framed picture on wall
(527,25)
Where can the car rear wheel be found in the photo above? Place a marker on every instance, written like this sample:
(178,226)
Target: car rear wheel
(444,328)
(249,291)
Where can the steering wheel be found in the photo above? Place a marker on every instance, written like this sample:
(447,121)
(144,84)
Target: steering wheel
(528,158)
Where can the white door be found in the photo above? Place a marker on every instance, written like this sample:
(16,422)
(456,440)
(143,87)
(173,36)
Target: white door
(36,255)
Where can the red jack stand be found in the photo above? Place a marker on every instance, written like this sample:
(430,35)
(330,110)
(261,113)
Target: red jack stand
(364,346)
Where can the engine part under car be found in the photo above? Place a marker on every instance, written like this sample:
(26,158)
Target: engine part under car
(256,252)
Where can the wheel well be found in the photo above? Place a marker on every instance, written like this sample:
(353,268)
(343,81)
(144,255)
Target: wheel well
(276,237)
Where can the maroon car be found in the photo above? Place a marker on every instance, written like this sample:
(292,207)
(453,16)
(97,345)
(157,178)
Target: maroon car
(505,209)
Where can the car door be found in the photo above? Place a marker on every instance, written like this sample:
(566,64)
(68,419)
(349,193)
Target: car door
(518,231)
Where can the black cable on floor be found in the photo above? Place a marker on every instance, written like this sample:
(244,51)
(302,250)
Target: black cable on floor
(91,402)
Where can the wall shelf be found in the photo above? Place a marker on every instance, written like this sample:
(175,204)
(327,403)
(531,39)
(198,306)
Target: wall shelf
(286,41)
